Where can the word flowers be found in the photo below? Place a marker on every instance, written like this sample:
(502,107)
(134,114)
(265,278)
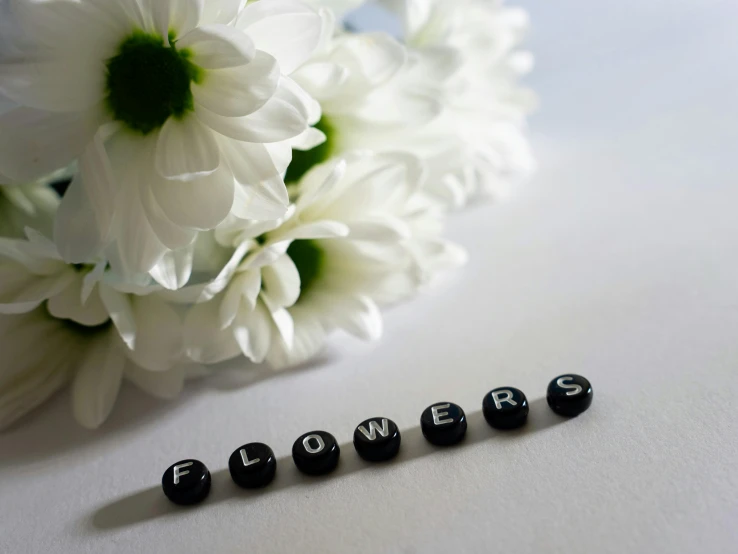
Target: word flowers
(377,439)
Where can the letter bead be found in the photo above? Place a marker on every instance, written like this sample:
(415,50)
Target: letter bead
(569,395)
(186,482)
(505,408)
(377,439)
(316,453)
(443,423)
(253,465)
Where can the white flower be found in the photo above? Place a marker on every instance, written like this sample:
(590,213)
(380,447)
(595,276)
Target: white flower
(360,235)
(32,273)
(41,354)
(358,79)
(468,49)
(173,108)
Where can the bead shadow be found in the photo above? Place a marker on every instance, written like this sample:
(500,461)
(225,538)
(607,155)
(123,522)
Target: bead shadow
(151,503)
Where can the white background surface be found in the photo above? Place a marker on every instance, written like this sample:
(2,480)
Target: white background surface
(618,261)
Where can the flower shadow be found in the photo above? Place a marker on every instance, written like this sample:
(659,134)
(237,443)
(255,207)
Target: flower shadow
(51,429)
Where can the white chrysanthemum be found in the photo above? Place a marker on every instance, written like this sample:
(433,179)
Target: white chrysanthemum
(468,50)
(392,248)
(32,273)
(42,354)
(360,235)
(370,92)
(173,108)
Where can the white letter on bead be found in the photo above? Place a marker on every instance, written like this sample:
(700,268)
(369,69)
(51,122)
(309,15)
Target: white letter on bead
(437,415)
(374,428)
(178,473)
(503,396)
(310,449)
(245,458)
(576,389)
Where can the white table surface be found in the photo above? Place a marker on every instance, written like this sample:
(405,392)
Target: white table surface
(619,261)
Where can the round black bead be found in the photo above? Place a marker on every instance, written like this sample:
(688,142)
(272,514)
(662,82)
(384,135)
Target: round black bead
(569,395)
(253,465)
(316,453)
(505,408)
(377,439)
(443,423)
(186,482)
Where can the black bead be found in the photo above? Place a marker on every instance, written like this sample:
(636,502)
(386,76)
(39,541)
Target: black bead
(253,465)
(505,408)
(569,395)
(443,423)
(316,453)
(377,439)
(186,482)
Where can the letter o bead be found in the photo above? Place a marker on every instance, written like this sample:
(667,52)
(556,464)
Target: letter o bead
(316,453)
(253,465)
(505,408)
(569,395)
(186,482)
(443,423)
(377,439)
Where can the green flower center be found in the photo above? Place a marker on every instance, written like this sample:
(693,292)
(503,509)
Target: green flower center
(303,160)
(309,259)
(148,82)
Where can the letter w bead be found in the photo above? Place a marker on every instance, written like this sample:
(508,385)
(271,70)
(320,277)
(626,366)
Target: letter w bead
(374,428)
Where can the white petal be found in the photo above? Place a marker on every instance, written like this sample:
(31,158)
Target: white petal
(316,230)
(186,149)
(287,29)
(21,291)
(253,332)
(180,16)
(161,384)
(120,309)
(254,203)
(170,234)
(310,138)
(92,279)
(158,334)
(224,11)
(231,301)
(218,46)
(136,248)
(205,341)
(97,382)
(253,165)
(385,229)
(59,85)
(358,315)
(205,292)
(239,91)
(282,117)
(34,143)
(83,223)
(174,268)
(30,375)
(68,305)
(202,203)
(375,57)
(98,25)
(308,339)
(281,282)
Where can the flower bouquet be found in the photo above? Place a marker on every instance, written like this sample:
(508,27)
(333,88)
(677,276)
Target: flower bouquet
(190,181)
